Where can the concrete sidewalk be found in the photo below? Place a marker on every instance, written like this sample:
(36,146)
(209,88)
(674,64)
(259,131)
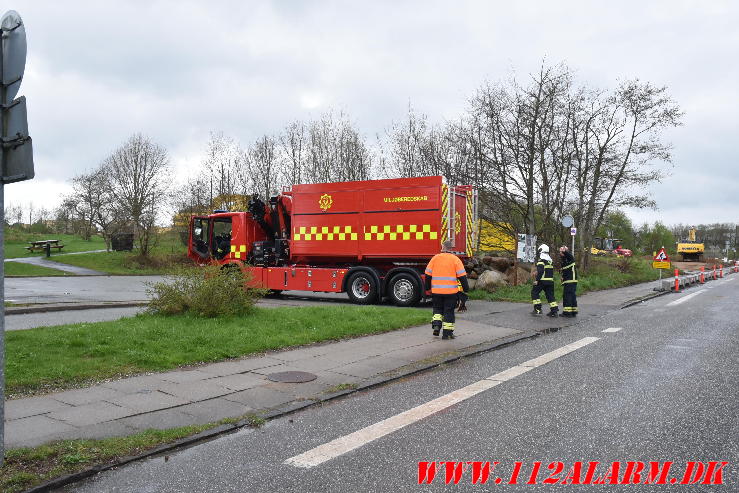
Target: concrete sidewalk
(233,388)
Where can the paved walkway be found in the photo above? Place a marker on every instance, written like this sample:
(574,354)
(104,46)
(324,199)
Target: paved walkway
(44,262)
(236,387)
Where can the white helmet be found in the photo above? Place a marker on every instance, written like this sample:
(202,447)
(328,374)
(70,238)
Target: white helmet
(544,248)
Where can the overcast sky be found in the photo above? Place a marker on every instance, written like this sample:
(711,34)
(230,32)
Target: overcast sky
(99,71)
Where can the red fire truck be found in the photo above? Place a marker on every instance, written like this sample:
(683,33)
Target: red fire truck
(371,239)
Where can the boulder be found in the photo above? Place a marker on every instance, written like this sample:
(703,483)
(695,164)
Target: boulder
(473,275)
(491,279)
(472,283)
(501,264)
(523,276)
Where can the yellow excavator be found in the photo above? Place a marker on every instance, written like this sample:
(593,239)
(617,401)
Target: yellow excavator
(690,249)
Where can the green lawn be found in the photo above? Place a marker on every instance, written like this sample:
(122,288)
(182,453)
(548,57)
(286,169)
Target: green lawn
(167,252)
(116,263)
(52,358)
(605,273)
(28,270)
(16,243)
(28,467)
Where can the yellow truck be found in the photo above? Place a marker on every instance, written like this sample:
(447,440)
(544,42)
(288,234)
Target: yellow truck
(691,249)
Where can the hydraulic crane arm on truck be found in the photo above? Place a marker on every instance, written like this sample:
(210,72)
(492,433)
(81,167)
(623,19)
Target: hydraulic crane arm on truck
(371,239)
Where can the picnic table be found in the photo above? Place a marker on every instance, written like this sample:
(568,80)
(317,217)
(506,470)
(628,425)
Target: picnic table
(40,245)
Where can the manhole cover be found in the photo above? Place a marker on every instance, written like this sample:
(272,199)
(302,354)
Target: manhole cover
(291,377)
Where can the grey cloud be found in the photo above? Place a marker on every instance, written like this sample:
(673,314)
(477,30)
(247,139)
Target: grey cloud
(175,70)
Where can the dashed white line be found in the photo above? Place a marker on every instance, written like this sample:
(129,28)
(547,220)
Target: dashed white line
(347,443)
(612,329)
(685,298)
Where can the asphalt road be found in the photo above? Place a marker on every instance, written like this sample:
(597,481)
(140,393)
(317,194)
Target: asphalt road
(661,385)
(77,289)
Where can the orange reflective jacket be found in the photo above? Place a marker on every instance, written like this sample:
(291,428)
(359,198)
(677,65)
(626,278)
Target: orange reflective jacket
(444,269)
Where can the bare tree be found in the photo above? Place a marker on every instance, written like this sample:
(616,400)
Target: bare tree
(139,181)
(14,214)
(336,151)
(85,202)
(293,146)
(261,166)
(192,197)
(617,143)
(403,156)
(221,169)
(520,157)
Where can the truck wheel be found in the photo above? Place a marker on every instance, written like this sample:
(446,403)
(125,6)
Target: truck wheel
(362,288)
(404,290)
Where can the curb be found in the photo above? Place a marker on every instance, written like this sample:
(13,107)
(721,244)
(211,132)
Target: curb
(284,410)
(648,297)
(23,310)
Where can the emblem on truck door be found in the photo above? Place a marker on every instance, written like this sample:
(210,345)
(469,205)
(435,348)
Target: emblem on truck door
(325,202)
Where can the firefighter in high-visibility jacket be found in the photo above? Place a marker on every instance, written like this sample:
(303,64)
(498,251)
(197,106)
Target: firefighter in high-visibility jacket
(442,274)
(544,282)
(569,283)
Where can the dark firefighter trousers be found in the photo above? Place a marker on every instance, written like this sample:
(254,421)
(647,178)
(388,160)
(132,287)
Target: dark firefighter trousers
(548,292)
(443,307)
(569,297)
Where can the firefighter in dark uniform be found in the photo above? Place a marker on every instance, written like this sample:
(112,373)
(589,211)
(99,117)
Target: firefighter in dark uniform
(569,283)
(442,274)
(544,282)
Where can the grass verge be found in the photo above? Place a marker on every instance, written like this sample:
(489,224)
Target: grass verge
(47,359)
(28,270)
(125,263)
(25,468)
(605,273)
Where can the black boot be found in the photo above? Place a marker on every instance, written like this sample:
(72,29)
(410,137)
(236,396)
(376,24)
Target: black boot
(537,310)
(436,327)
(553,312)
(448,334)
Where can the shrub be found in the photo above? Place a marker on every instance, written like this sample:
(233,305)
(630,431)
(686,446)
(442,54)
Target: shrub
(209,291)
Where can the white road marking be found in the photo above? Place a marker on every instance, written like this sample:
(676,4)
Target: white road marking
(684,298)
(612,329)
(347,443)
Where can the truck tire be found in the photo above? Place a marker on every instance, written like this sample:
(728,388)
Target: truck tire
(362,288)
(404,290)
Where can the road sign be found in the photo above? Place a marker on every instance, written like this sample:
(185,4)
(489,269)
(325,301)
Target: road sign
(13,53)
(17,150)
(573,231)
(661,260)
(568,221)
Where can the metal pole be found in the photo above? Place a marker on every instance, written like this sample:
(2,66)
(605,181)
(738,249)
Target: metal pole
(3,127)
(573,246)
(2,316)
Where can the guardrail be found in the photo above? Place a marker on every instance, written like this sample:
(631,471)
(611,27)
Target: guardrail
(690,278)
